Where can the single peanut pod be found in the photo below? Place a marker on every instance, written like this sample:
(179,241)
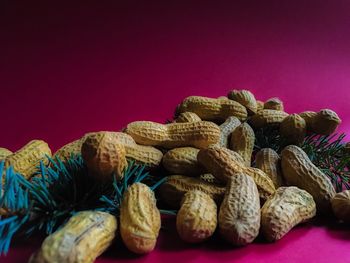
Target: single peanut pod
(268,161)
(104,156)
(242,142)
(260,105)
(341,205)
(222,98)
(239,216)
(187,117)
(213,109)
(199,134)
(82,239)
(26,160)
(69,149)
(4,153)
(293,129)
(210,179)
(288,207)
(274,104)
(308,117)
(246,98)
(197,218)
(298,170)
(226,129)
(267,117)
(139,219)
(176,186)
(224,164)
(182,160)
(325,122)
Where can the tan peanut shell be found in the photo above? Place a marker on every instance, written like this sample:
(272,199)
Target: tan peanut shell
(274,104)
(187,117)
(325,122)
(224,164)
(268,161)
(213,109)
(242,141)
(341,205)
(298,170)
(293,129)
(246,98)
(308,116)
(267,117)
(260,105)
(239,216)
(199,134)
(209,178)
(288,207)
(176,186)
(69,149)
(82,239)
(226,129)
(139,219)
(197,218)
(182,160)
(104,156)
(4,153)
(26,160)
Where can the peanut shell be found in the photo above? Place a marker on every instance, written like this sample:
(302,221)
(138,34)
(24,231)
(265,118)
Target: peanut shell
(242,141)
(293,129)
(325,122)
(246,98)
(187,117)
(269,162)
(308,116)
(4,153)
(267,117)
(274,104)
(226,130)
(341,205)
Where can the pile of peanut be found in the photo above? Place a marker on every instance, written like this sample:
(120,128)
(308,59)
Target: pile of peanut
(207,152)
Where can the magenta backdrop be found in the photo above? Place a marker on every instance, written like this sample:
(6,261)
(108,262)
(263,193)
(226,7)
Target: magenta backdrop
(66,69)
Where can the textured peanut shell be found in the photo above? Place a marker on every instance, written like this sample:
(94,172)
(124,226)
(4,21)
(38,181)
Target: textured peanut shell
(260,105)
(213,109)
(182,160)
(341,205)
(187,117)
(308,116)
(325,122)
(81,240)
(246,98)
(267,117)
(269,162)
(4,153)
(274,104)
(26,159)
(69,149)
(293,129)
(209,178)
(224,164)
(199,134)
(104,156)
(239,216)
(139,219)
(226,129)
(242,141)
(288,207)
(176,186)
(299,171)
(197,218)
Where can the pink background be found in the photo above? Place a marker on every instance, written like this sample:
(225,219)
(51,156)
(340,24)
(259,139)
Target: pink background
(66,69)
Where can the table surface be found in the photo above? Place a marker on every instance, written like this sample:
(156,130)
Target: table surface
(69,68)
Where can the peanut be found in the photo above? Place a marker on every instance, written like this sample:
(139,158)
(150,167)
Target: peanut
(260,105)
(242,141)
(139,219)
(268,161)
(196,134)
(69,149)
(182,160)
(4,153)
(299,171)
(104,156)
(267,117)
(175,187)
(308,116)
(26,160)
(274,104)
(341,205)
(285,209)
(209,178)
(197,218)
(213,109)
(226,129)
(293,129)
(325,122)
(224,164)
(246,98)
(81,240)
(239,216)
(187,117)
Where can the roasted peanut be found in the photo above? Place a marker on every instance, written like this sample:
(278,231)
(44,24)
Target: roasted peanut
(196,134)
(4,153)
(210,179)
(139,219)
(246,98)
(293,129)
(274,104)
(242,142)
(260,105)
(298,170)
(226,129)
(325,122)
(69,149)
(268,161)
(285,209)
(308,116)
(197,218)
(81,240)
(341,205)
(239,216)
(267,117)
(187,117)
